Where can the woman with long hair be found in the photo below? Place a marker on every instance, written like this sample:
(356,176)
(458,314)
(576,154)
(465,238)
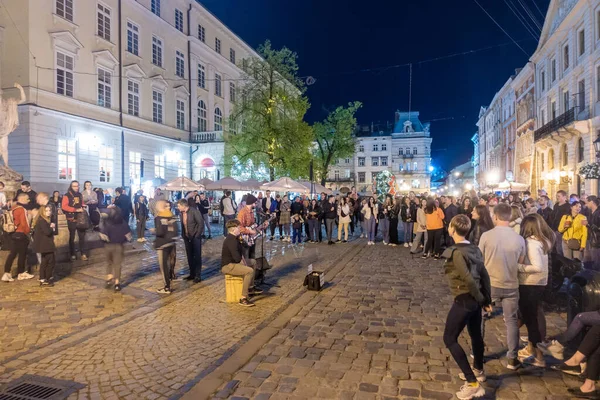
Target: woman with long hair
(516,218)
(407,221)
(90,199)
(344,214)
(420,228)
(370,212)
(43,243)
(393,214)
(435,228)
(483,223)
(115,233)
(465,207)
(314,225)
(533,278)
(384,220)
(574,233)
(56,199)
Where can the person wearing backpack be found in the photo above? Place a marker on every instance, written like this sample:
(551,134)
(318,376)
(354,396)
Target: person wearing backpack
(19,239)
(470,285)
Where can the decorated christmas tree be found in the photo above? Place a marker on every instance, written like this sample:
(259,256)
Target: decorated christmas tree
(385,182)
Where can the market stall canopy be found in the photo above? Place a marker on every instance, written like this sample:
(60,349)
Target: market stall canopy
(181,184)
(285,185)
(227,183)
(316,187)
(205,181)
(251,184)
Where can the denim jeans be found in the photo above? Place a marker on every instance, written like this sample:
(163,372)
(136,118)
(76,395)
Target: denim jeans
(226,218)
(313,229)
(581,320)
(329,224)
(417,241)
(297,237)
(408,232)
(371,228)
(509,300)
(385,229)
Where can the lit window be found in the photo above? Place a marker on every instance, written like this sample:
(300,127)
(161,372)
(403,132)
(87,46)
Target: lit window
(179,64)
(104,88)
(218,119)
(201,33)
(202,119)
(218,45)
(232,92)
(218,89)
(155,7)
(103,22)
(106,158)
(157,52)
(180,114)
(133,38)
(157,107)
(64,8)
(159,166)
(64,74)
(201,76)
(133,98)
(135,167)
(179,20)
(67,159)
(232,55)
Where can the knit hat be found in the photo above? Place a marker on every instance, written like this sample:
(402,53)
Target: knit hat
(250,200)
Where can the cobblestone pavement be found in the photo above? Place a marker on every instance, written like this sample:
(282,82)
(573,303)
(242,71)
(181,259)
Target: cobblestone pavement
(376,333)
(137,344)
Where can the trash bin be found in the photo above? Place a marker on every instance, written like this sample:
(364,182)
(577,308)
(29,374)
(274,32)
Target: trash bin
(584,295)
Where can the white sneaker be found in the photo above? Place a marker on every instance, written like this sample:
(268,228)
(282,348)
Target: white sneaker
(479,375)
(7,278)
(24,276)
(385,243)
(405,244)
(468,392)
(554,349)
(410,244)
(524,339)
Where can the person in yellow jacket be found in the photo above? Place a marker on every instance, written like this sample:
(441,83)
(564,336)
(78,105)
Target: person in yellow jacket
(573,227)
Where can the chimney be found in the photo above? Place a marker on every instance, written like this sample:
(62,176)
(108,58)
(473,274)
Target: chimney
(397,117)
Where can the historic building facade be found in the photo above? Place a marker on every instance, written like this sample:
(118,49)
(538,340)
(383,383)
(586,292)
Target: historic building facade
(404,149)
(120,91)
(524,87)
(567,70)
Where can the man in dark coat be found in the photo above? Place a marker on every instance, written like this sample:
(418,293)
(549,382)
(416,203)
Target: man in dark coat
(192,228)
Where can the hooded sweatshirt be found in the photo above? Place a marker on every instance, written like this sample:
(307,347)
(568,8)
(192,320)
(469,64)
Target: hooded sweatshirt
(466,272)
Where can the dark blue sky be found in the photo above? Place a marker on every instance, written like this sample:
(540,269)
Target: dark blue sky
(336,38)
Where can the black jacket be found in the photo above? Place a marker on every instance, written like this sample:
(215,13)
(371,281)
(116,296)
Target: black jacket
(231,252)
(329,211)
(594,228)
(141,210)
(117,232)
(557,215)
(546,213)
(166,231)
(264,204)
(123,201)
(43,237)
(466,272)
(450,212)
(476,233)
(32,205)
(297,208)
(204,206)
(195,224)
(316,209)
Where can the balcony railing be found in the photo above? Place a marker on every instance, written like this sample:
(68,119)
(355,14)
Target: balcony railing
(406,155)
(341,178)
(207,137)
(554,125)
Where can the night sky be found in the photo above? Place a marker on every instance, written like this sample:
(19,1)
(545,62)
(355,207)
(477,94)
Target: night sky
(336,39)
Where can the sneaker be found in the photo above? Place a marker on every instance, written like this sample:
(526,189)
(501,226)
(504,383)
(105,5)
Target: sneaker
(568,369)
(469,391)
(385,243)
(410,244)
(425,256)
(117,287)
(84,257)
(479,375)
(24,276)
(46,284)
(344,241)
(362,236)
(405,244)
(554,349)
(139,240)
(514,364)
(164,291)
(246,303)
(73,258)
(7,277)
(524,353)
(254,291)
(524,339)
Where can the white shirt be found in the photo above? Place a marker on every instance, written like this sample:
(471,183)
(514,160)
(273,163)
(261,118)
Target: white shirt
(2,199)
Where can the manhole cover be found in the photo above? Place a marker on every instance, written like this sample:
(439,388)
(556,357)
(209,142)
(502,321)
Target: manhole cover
(32,387)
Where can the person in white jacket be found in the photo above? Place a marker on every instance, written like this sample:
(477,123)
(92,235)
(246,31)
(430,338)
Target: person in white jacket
(343,212)
(533,278)
(420,228)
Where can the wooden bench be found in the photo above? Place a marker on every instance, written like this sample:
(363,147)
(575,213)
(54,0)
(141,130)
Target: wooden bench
(233,288)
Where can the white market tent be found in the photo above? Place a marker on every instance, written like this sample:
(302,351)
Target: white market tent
(317,188)
(227,183)
(285,185)
(181,184)
(205,181)
(251,184)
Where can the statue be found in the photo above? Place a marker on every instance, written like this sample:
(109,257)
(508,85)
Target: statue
(9,120)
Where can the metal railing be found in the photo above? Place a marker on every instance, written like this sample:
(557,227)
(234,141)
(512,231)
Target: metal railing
(207,137)
(341,178)
(554,125)
(406,155)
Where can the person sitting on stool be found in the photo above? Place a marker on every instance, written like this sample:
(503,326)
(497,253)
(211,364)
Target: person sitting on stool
(232,262)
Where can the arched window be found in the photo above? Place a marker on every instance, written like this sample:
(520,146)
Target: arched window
(551,159)
(218,119)
(202,121)
(581,155)
(564,155)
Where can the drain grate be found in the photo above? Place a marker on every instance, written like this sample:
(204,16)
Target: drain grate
(33,387)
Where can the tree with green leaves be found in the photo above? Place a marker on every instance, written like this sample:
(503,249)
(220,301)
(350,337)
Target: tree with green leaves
(270,112)
(335,137)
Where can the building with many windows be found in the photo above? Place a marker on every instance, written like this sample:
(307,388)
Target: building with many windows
(403,148)
(119,92)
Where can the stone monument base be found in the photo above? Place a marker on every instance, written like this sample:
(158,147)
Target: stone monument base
(11,179)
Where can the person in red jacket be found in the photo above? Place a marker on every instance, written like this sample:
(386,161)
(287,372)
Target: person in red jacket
(72,204)
(19,241)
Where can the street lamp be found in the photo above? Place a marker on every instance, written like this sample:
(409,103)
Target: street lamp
(457,174)
(468,186)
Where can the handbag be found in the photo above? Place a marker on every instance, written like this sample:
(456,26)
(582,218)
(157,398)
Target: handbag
(83,221)
(573,244)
